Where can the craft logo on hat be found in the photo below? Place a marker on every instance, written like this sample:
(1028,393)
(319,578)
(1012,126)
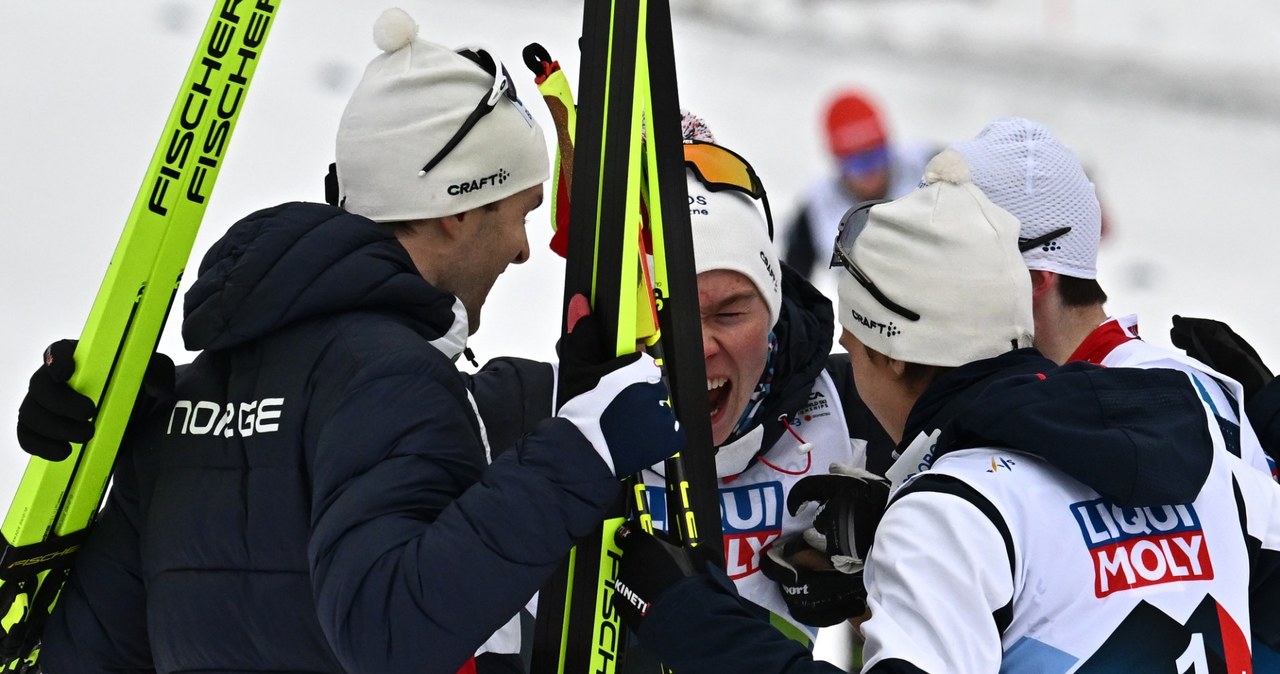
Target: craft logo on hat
(887,329)
(477,184)
(768,266)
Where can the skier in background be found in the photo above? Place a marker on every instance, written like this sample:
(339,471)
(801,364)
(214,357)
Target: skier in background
(870,164)
(992,558)
(316,492)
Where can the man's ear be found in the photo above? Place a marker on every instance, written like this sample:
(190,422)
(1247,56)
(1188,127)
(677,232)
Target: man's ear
(898,367)
(1042,283)
(453,226)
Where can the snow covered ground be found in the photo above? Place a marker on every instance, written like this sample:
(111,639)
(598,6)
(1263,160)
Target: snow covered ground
(1173,105)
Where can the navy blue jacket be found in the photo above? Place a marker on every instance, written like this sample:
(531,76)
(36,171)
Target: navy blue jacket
(1076,422)
(316,496)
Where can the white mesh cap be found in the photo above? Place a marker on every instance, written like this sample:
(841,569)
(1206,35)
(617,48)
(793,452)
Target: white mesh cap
(1023,169)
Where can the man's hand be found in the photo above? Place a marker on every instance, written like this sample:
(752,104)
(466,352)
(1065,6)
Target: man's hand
(651,564)
(53,415)
(816,593)
(618,402)
(850,504)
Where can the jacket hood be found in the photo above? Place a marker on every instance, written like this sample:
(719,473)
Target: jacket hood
(1139,437)
(300,261)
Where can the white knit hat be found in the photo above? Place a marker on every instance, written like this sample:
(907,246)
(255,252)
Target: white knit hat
(949,255)
(1025,170)
(411,100)
(729,232)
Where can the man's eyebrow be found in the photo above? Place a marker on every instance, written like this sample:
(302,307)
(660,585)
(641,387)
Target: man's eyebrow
(741,296)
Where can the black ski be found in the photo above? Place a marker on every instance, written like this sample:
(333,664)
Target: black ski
(629,153)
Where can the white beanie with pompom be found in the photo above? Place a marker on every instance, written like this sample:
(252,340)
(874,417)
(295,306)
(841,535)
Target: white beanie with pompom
(939,279)
(410,101)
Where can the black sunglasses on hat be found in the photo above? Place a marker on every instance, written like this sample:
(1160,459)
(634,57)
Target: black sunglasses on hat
(502,85)
(851,225)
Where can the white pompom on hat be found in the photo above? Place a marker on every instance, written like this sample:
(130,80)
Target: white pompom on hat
(1023,169)
(411,100)
(730,232)
(948,254)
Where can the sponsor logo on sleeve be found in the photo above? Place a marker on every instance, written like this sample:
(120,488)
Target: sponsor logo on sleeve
(1139,547)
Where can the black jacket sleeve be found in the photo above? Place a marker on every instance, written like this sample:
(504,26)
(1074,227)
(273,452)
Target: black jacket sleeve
(419,552)
(700,624)
(513,395)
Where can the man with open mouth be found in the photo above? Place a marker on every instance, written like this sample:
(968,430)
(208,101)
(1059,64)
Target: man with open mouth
(782,406)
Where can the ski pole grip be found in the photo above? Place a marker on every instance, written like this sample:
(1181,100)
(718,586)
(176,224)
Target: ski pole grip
(537,59)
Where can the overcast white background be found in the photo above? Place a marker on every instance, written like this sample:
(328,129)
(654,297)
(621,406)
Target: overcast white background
(1173,105)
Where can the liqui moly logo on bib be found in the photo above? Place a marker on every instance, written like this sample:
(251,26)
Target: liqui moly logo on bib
(751,516)
(1137,547)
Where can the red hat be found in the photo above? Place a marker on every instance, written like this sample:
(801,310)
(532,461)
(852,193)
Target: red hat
(853,125)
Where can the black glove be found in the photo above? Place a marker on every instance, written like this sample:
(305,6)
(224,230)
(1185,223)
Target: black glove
(53,415)
(585,358)
(851,502)
(619,403)
(1215,344)
(650,565)
(816,593)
